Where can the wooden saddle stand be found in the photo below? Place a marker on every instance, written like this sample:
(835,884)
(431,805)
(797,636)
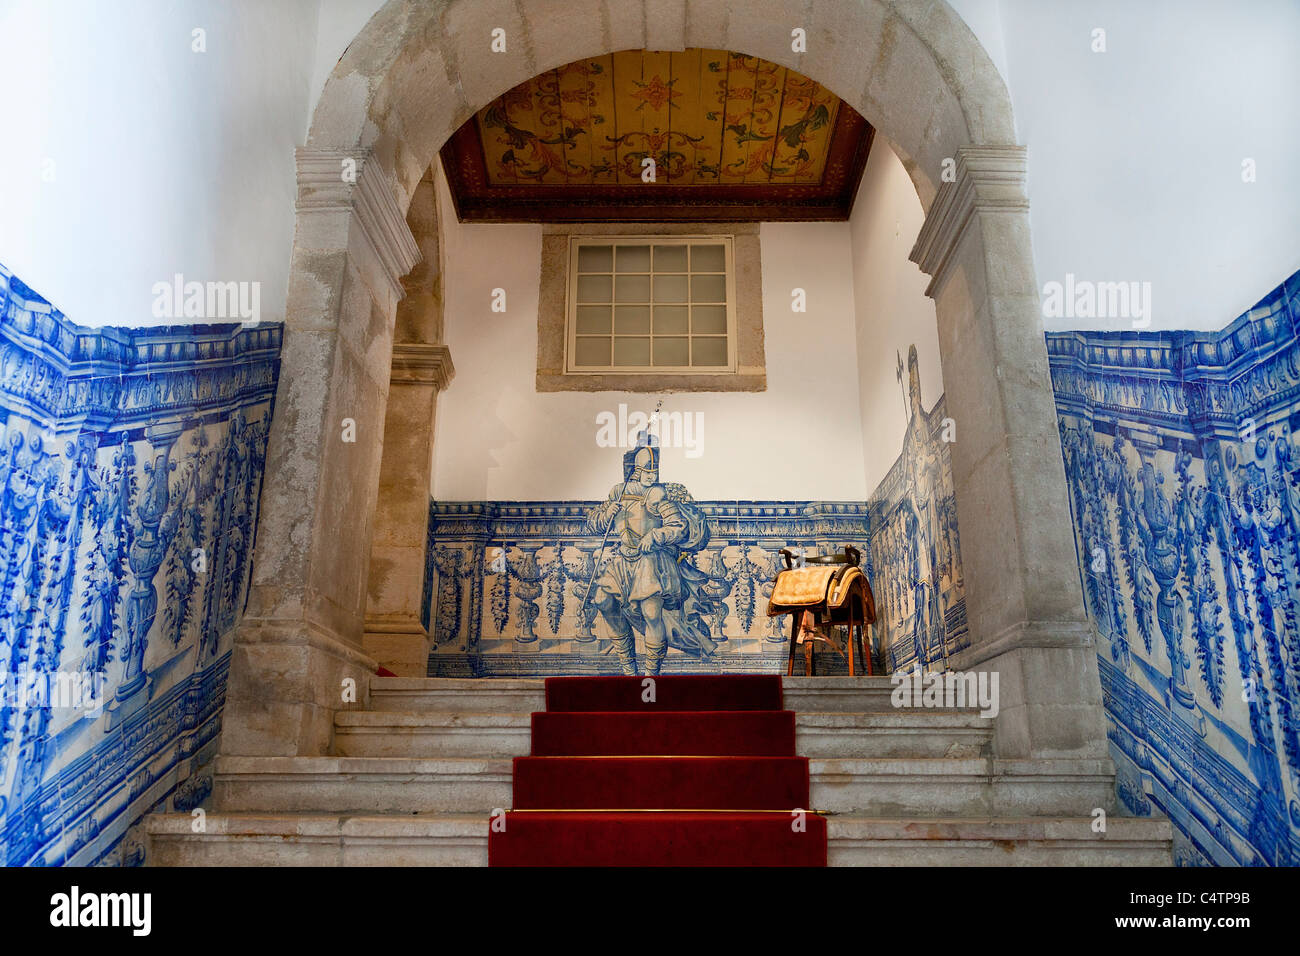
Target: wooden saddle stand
(829,591)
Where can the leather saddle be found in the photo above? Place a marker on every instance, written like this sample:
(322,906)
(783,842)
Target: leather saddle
(825,583)
(823,593)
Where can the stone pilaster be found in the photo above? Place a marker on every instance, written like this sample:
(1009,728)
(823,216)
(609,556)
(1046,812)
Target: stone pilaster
(300,642)
(394,635)
(1024,598)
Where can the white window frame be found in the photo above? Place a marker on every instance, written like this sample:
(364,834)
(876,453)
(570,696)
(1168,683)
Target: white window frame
(571,306)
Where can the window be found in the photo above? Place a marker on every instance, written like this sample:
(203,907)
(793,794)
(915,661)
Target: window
(744,369)
(646,304)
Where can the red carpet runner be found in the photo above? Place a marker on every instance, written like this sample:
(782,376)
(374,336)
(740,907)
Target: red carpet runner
(704,775)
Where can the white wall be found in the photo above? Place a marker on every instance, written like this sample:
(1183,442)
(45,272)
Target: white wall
(1135,154)
(164,160)
(338,22)
(984,17)
(497,439)
(893,311)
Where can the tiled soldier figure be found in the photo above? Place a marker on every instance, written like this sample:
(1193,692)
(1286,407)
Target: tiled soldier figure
(646,584)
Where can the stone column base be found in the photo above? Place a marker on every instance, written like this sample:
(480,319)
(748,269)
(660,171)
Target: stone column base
(287,680)
(1049,690)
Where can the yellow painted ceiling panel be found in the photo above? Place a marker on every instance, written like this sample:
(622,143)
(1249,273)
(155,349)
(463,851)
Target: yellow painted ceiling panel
(704,116)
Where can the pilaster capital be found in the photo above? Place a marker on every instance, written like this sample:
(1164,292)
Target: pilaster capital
(419,363)
(989,179)
(335,179)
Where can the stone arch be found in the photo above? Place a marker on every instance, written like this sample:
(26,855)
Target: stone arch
(414,74)
(419,70)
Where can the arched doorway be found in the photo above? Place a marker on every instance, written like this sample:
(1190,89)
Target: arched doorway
(409,80)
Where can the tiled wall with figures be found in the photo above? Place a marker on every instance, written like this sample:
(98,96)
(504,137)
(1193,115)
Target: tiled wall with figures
(130,468)
(506,581)
(1184,475)
(915,565)
(523,613)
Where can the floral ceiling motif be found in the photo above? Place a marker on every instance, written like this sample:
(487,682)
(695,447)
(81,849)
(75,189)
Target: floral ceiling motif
(711,127)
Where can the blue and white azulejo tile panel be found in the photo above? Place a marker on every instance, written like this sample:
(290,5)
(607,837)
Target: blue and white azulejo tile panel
(1184,477)
(130,468)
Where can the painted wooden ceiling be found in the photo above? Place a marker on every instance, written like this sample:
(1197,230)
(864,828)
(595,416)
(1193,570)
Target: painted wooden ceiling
(732,137)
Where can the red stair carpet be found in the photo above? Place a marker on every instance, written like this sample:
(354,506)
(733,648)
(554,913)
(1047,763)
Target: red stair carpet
(704,775)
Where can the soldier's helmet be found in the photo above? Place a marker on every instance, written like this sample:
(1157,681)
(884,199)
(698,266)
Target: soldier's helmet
(642,458)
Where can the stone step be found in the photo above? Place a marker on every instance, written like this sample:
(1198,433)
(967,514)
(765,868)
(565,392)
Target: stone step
(516,695)
(880,787)
(911,787)
(902,733)
(458,694)
(461,840)
(360,784)
(381,733)
(844,695)
(899,733)
(1007,841)
(300,839)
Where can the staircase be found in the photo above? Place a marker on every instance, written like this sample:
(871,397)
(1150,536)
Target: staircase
(414,779)
(687,771)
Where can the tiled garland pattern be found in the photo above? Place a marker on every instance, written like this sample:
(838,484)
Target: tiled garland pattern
(130,468)
(1184,474)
